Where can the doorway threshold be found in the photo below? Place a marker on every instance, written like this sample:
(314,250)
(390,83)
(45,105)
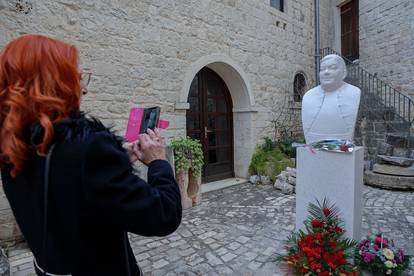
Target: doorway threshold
(221,184)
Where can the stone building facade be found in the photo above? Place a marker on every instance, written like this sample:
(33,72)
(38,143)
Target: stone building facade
(385,39)
(148,53)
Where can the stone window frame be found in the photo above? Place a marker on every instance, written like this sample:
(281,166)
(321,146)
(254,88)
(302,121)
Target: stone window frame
(298,95)
(282,4)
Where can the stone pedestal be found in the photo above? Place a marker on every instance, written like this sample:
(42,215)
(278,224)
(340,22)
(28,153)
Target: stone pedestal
(336,176)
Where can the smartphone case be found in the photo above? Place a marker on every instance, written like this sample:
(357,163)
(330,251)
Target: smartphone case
(134,124)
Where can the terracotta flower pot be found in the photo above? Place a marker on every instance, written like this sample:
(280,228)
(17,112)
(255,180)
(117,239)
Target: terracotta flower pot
(194,189)
(182,179)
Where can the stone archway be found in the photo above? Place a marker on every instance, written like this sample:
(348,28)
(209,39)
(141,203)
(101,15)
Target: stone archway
(243,104)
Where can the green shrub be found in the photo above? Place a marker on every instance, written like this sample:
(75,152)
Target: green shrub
(269,160)
(188,154)
(273,156)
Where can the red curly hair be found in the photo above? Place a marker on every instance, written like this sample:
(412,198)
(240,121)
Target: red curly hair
(39,83)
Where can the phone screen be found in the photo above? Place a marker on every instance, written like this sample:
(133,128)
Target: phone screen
(150,118)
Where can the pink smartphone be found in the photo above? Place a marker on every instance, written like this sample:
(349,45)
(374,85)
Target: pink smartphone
(140,119)
(134,124)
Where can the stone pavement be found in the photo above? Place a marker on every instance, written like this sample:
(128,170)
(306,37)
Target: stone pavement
(240,230)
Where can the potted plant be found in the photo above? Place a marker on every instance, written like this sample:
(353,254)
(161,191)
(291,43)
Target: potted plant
(189,161)
(378,255)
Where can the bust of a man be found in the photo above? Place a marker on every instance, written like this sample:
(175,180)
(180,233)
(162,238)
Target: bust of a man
(329,111)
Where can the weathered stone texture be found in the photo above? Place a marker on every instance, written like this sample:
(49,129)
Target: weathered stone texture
(140,51)
(386,41)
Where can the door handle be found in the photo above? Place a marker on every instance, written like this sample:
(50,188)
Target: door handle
(206,131)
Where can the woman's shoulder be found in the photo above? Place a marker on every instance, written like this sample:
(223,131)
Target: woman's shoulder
(78,128)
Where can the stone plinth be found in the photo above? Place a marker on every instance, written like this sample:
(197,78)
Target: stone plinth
(335,176)
(392,182)
(393,170)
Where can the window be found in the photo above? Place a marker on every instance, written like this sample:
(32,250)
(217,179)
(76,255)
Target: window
(299,86)
(278,4)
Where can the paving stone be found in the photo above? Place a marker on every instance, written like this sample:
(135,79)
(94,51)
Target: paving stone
(254,265)
(228,257)
(213,259)
(248,241)
(142,256)
(160,263)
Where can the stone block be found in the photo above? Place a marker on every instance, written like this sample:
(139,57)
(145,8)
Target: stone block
(254,179)
(384,148)
(397,140)
(265,180)
(389,181)
(401,152)
(337,177)
(395,160)
(393,170)
(285,187)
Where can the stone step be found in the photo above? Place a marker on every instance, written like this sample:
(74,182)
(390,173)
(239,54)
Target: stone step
(393,170)
(400,140)
(377,114)
(390,126)
(391,182)
(395,160)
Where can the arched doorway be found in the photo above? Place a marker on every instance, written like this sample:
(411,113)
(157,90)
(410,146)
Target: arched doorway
(210,120)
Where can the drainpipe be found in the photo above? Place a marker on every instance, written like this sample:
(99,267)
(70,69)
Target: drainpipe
(317,42)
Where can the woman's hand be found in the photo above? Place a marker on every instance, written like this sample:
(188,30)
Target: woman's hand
(150,147)
(131,149)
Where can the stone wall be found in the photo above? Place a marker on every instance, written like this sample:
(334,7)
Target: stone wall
(143,53)
(386,41)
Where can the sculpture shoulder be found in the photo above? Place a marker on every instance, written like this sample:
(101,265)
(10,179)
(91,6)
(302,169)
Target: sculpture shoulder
(312,93)
(352,91)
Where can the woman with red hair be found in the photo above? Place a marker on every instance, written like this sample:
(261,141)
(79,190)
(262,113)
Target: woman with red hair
(68,179)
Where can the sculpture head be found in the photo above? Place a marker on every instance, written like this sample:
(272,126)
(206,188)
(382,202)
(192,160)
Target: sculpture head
(332,72)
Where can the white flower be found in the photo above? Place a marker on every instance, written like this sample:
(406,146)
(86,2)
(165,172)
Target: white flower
(388,254)
(360,252)
(389,271)
(389,264)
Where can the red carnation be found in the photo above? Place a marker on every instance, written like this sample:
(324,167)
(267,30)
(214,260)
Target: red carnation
(326,211)
(344,147)
(316,223)
(338,230)
(325,273)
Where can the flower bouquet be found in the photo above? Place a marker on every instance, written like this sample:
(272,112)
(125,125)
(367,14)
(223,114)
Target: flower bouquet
(334,145)
(378,254)
(321,250)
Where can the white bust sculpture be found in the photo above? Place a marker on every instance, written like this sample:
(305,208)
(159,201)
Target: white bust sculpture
(329,111)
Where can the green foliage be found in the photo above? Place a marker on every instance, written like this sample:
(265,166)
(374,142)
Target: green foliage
(188,154)
(268,160)
(321,249)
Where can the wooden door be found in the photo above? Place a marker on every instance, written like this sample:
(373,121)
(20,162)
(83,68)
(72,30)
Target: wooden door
(350,30)
(210,120)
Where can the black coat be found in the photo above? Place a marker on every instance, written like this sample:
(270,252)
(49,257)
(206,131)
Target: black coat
(94,199)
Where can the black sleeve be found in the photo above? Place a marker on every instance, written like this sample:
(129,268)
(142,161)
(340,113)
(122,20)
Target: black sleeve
(110,187)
